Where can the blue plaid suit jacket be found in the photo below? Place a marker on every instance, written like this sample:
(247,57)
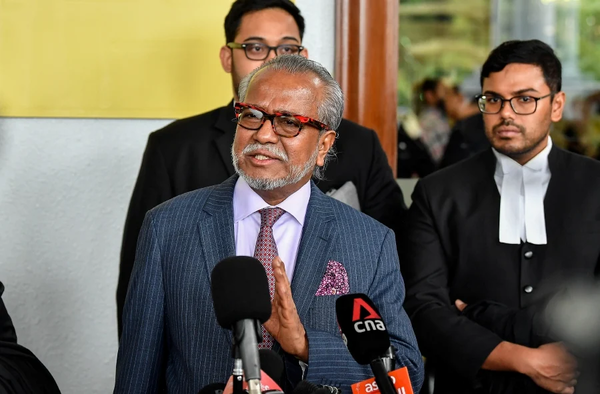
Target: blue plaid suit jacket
(171,339)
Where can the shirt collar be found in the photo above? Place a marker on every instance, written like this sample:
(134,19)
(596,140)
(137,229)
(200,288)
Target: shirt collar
(246,201)
(540,162)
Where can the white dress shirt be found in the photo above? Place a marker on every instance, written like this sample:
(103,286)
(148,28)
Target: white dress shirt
(522,190)
(287,231)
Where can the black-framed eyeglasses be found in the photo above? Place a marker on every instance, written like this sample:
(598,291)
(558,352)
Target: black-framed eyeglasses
(260,51)
(522,105)
(284,124)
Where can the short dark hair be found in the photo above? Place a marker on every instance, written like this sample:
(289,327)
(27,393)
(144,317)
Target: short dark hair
(242,7)
(534,52)
(429,85)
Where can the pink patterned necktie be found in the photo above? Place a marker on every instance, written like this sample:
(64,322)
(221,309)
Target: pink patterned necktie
(265,252)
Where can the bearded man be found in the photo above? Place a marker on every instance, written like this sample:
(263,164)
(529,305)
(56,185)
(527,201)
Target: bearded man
(492,240)
(287,114)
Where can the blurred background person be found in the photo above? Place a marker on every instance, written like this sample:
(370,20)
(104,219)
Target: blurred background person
(423,131)
(433,120)
(591,124)
(414,160)
(467,136)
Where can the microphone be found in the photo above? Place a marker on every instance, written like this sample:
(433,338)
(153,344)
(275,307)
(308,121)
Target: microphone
(366,336)
(241,299)
(272,365)
(306,387)
(272,378)
(213,388)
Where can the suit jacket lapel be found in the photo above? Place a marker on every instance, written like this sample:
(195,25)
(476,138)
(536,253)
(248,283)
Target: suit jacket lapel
(224,141)
(489,194)
(315,249)
(557,194)
(216,225)
(478,203)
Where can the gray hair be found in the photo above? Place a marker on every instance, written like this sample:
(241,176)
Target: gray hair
(330,109)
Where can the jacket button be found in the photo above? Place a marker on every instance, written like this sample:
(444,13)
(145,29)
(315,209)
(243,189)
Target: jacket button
(528,254)
(528,289)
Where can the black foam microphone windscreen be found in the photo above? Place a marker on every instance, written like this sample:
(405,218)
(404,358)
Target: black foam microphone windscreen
(363,329)
(305,387)
(213,388)
(272,364)
(240,290)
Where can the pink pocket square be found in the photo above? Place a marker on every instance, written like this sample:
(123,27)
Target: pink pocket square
(335,280)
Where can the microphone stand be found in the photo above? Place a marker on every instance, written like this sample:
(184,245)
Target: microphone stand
(245,354)
(238,372)
(384,382)
(389,359)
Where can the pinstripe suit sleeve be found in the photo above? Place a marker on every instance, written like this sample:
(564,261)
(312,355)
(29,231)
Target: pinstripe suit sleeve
(140,357)
(329,360)
(387,292)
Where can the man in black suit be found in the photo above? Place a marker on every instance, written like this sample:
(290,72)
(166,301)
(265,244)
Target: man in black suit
(195,152)
(21,372)
(493,238)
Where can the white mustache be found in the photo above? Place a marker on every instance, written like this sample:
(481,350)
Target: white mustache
(248,150)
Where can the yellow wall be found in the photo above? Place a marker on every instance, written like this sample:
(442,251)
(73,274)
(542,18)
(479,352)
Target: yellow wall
(112,58)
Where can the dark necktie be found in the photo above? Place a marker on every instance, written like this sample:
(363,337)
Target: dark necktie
(265,251)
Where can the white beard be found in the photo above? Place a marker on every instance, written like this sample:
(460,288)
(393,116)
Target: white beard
(295,174)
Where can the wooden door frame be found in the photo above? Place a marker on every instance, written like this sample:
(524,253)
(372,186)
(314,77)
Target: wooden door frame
(366,66)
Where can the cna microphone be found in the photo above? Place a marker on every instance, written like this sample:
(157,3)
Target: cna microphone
(241,299)
(366,336)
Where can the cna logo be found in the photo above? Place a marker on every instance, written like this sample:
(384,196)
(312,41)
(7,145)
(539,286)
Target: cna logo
(371,322)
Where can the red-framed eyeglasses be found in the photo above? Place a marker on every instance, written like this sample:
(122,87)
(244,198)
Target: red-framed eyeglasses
(284,124)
